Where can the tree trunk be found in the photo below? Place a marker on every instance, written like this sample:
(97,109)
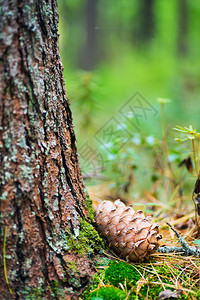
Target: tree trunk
(89,54)
(43,203)
(182,46)
(145,21)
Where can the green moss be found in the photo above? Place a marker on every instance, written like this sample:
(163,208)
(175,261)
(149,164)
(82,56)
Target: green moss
(119,272)
(98,277)
(88,241)
(151,292)
(71,265)
(102,261)
(116,275)
(108,293)
(89,207)
(119,279)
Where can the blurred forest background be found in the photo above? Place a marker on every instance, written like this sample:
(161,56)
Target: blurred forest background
(123,61)
(112,50)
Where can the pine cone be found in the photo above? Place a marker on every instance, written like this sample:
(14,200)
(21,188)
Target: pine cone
(129,233)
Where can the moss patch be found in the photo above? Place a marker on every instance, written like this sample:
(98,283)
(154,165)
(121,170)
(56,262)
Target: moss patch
(121,280)
(119,272)
(116,275)
(88,240)
(108,293)
(89,207)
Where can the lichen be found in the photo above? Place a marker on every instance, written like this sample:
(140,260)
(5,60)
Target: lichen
(58,292)
(21,142)
(26,173)
(62,243)
(75,282)
(4,195)
(33,293)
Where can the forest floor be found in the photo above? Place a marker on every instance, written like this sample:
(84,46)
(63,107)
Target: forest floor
(164,275)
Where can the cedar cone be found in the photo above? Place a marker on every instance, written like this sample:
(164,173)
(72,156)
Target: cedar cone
(129,233)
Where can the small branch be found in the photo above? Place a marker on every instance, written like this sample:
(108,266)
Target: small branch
(170,249)
(184,250)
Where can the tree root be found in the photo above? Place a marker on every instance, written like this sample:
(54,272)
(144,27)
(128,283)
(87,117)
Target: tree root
(185,249)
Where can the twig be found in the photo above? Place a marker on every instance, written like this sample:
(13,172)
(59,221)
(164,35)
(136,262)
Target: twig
(4,260)
(184,250)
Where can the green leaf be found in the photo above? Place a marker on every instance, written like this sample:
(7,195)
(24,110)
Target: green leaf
(191,137)
(191,128)
(187,130)
(180,129)
(181,140)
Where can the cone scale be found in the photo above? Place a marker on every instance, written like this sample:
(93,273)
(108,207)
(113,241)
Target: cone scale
(129,233)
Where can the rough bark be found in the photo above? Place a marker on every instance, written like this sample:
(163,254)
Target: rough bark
(42,195)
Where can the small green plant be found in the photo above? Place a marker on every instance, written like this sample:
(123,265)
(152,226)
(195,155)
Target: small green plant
(191,134)
(127,160)
(143,162)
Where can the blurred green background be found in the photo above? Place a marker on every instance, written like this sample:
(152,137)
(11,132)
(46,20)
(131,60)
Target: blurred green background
(150,46)
(112,49)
